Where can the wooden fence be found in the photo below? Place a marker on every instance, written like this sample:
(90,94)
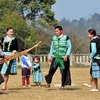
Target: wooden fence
(75,59)
(79,60)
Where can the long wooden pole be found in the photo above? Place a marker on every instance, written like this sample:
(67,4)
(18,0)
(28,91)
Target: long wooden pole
(18,54)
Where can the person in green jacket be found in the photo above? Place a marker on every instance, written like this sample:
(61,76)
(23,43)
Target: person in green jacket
(60,52)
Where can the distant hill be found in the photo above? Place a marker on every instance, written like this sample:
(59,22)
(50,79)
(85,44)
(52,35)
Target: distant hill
(82,25)
(77,30)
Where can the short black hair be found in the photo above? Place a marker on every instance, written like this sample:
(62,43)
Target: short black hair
(59,27)
(8,28)
(92,32)
(36,57)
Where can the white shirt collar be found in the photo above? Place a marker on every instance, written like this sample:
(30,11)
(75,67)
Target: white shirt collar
(60,36)
(94,37)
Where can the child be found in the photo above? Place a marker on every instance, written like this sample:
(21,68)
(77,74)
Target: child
(37,74)
(26,66)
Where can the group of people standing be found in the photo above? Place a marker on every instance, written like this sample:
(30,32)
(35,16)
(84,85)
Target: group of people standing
(60,52)
(9,46)
(27,68)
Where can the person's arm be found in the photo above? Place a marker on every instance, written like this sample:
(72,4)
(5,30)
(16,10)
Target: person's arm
(15,45)
(37,65)
(93,50)
(51,53)
(68,53)
(51,50)
(33,70)
(1,42)
(1,53)
(24,61)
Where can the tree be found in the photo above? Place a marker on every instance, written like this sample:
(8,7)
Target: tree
(8,5)
(34,9)
(74,23)
(65,23)
(79,44)
(82,23)
(19,26)
(31,21)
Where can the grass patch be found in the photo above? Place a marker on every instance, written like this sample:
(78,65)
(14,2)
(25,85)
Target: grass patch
(75,92)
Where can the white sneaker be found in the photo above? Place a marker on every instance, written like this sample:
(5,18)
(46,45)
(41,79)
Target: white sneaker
(94,90)
(87,85)
(24,86)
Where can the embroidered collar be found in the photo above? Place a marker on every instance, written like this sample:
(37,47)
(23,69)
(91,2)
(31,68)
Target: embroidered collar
(7,39)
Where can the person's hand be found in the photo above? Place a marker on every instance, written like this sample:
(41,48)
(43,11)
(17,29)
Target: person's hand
(6,57)
(14,52)
(89,60)
(30,67)
(65,58)
(50,59)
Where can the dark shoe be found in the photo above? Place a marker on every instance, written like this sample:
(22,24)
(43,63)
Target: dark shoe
(1,93)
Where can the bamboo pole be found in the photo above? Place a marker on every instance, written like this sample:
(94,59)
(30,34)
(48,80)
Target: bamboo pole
(18,54)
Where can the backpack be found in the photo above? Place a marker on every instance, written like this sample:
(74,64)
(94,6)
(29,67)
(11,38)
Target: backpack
(98,44)
(98,41)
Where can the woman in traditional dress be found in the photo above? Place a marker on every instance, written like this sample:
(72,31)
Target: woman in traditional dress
(94,57)
(9,46)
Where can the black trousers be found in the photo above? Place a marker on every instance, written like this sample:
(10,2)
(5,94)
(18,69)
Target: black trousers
(65,73)
(1,77)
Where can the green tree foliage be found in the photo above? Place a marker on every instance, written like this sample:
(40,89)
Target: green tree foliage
(30,19)
(6,5)
(34,9)
(48,14)
(16,21)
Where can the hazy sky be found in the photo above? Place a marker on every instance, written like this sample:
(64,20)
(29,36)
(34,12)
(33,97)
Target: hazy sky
(75,9)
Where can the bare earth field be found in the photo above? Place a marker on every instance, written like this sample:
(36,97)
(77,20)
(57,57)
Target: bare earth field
(75,92)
